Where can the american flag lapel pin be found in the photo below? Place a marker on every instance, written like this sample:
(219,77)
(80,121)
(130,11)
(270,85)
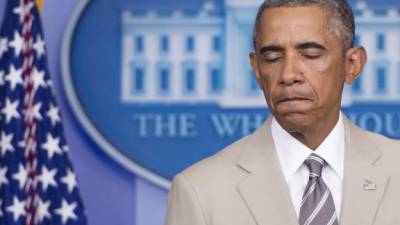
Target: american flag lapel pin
(369,186)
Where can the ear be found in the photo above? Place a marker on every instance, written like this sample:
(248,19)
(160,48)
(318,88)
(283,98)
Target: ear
(355,60)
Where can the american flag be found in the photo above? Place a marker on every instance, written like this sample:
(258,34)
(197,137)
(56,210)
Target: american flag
(37,182)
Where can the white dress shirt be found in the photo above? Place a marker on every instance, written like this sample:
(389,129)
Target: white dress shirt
(292,153)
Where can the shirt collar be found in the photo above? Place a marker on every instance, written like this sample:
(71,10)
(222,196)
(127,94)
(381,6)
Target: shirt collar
(292,153)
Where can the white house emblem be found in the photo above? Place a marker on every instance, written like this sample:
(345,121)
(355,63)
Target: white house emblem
(159,87)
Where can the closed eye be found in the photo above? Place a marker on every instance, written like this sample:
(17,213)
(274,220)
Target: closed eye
(311,50)
(312,56)
(271,53)
(312,53)
(271,57)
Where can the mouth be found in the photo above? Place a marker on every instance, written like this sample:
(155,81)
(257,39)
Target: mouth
(284,99)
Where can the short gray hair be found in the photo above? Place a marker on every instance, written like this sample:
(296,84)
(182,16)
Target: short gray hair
(341,17)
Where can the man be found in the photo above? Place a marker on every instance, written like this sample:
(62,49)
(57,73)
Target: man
(308,164)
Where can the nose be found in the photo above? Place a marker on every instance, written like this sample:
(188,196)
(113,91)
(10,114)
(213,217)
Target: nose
(290,72)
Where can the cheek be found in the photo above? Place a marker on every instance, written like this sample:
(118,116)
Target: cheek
(268,76)
(326,79)
(269,73)
(317,67)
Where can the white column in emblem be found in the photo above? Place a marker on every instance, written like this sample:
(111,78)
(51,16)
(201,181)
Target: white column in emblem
(126,80)
(202,80)
(397,73)
(397,63)
(244,75)
(177,49)
(391,79)
(125,85)
(203,44)
(151,49)
(391,53)
(230,55)
(369,73)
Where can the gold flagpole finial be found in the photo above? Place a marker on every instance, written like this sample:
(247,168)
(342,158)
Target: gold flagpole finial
(39,4)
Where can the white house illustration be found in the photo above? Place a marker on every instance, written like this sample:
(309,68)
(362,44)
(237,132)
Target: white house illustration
(178,56)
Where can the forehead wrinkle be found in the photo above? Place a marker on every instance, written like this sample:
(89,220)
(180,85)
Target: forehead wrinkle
(322,31)
(271,27)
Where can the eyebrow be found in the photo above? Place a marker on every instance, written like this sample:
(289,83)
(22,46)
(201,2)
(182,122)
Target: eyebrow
(308,45)
(271,48)
(301,46)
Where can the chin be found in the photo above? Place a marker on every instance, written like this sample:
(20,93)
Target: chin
(293,122)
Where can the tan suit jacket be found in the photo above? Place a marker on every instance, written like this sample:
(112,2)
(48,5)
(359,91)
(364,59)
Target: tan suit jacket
(244,185)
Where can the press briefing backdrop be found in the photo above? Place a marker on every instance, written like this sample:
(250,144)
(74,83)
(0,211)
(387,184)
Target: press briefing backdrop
(147,88)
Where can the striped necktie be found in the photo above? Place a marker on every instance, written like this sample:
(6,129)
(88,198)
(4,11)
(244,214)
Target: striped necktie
(317,206)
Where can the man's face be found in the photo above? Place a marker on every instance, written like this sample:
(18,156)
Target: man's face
(300,66)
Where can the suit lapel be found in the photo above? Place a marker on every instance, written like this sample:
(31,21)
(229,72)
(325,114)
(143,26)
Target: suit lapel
(361,168)
(264,189)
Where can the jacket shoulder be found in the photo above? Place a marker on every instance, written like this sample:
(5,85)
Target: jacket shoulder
(220,165)
(389,147)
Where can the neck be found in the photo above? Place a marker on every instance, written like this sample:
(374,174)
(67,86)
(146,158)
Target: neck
(312,137)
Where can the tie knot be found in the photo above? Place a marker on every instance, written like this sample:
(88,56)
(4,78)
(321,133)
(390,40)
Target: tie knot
(315,164)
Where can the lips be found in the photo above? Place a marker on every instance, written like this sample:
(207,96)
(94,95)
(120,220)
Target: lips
(292,98)
(288,104)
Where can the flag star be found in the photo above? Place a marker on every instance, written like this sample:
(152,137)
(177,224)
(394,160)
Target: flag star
(3,46)
(17,43)
(53,114)
(65,148)
(52,146)
(66,211)
(17,208)
(20,11)
(21,144)
(23,9)
(36,111)
(69,180)
(14,76)
(6,143)
(43,210)
(21,176)
(39,46)
(3,176)
(1,206)
(38,79)
(47,178)
(10,110)
(1,75)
